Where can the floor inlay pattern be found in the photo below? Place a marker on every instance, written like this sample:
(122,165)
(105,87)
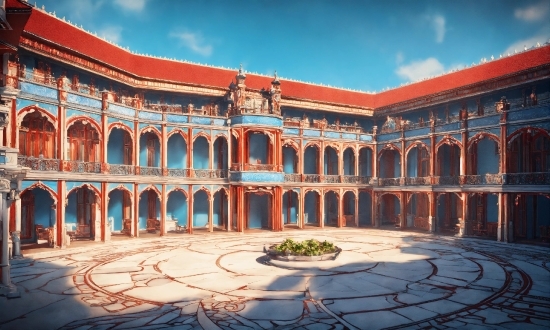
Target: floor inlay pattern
(381,280)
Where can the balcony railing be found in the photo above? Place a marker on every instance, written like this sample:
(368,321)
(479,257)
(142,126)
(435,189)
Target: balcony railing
(350,179)
(120,169)
(385,182)
(482,179)
(76,166)
(535,178)
(152,171)
(293,177)
(312,178)
(179,172)
(331,178)
(418,181)
(447,180)
(209,174)
(38,164)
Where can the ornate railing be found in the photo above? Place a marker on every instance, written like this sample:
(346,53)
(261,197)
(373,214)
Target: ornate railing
(418,181)
(331,178)
(76,166)
(120,169)
(209,174)
(535,178)
(482,179)
(366,180)
(350,179)
(447,180)
(178,172)
(293,177)
(153,171)
(312,178)
(38,164)
(385,182)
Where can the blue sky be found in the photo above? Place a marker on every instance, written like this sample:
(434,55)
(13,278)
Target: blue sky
(365,45)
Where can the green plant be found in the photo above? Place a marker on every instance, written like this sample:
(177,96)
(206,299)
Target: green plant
(310,247)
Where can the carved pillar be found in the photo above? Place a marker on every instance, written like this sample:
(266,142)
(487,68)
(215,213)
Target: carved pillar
(464,148)
(134,229)
(164,151)
(163,202)
(12,126)
(356,161)
(60,221)
(16,234)
(432,211)
(374,160)
(5,262)
(300,155)
(105,140)
(403,158)
(322,208)
(301,210)
(62,136)
(503,144)
(322,159)
(433,158)
(210,212)
(356,192)
(190,149)
(229,208)
(137,136)
(340,161)
(105,229)
(465,221)
(211,152)
(190,210)
(374,213)
(341,201)
(241,211)
(403,209)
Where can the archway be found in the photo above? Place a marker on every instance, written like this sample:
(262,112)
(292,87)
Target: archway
(83,140)
(259,148)
(259,210)
(349,209)
(448,212)
(220,215)
(119,212)
(389,210)
(220,153)
(483,156)
(81,214)
(311,208)
(201,150)
(149,211)
(176,210)
(37,136)
(332,208)
(290,207)
(390,164)
(365,162)
(200,209)
(37,215)
(349,162)
(177,152)
(418,208)
(120,147)
(448,160)
(418,161)
(311,160)
(331,161)
(483,214)
(149,150)
(529,151)
(290,159)
(365,209)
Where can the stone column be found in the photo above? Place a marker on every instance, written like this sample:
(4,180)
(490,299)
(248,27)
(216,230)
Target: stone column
(16,235)
(374,213)
(211,212)
(134,228)
(403,209)
(465,221)
(356,208)
(229,209)
(322,208)
(301,202)
(6,279)
(190,210)
(105,228)
(163,202)
(432,211)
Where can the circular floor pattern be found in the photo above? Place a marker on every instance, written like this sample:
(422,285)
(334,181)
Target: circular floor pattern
(382,279)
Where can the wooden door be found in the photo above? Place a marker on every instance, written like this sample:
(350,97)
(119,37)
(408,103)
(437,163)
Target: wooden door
(27,215)
(152,205)
(85,212)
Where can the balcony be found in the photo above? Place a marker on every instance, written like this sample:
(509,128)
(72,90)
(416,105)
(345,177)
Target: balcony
(38,164)
(209,174)
(535,178)
(76,166)
(311,178)
(293,177)
(388,182)
(119,169)
(256,167)
(178,172)
(418,181)
(151,171)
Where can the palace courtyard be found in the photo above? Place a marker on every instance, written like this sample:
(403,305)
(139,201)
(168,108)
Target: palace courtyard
(382,279)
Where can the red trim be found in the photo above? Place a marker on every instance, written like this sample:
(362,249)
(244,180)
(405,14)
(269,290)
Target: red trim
(56,31)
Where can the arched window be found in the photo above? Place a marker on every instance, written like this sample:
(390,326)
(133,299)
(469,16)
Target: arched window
(83,142)
(37,136)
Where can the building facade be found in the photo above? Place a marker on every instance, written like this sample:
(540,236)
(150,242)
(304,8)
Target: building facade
(124,144)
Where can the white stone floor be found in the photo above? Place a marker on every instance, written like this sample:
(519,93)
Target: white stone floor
(382,279)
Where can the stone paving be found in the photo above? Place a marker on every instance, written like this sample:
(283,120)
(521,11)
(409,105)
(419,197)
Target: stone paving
(381,280)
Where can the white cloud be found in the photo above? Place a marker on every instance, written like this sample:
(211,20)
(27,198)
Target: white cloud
(131,5)
(81,10)
(533,13)
(193,41)
(417,70)
(111,33)
(399,57)
(438,24)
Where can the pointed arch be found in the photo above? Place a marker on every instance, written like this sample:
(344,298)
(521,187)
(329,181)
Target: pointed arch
(201,134)
(174,189)
(121,126)
(40,185)
(151,129)
(291,143)
(85,120)
(449,140)
(122,187)
(482,135)
(153,188)
(35,108)
(416,144)
(91,187)
(389,146)
(178,131)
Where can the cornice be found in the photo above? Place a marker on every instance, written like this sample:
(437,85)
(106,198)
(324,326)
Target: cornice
(506,81)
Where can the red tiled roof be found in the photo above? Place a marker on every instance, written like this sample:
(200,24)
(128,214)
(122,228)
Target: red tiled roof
(17,4)
(66,35)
